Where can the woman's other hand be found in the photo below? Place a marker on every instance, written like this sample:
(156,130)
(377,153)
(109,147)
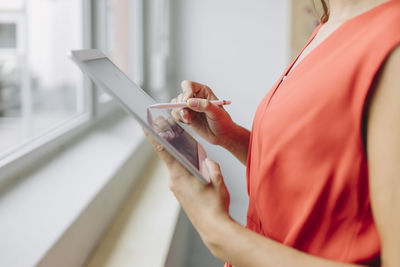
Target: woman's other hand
(206,205)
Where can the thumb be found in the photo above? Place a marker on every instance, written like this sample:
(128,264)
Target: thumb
(205,106)
(214,172)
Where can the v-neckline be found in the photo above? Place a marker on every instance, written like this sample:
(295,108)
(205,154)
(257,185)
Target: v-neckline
(293,65)
(339,29)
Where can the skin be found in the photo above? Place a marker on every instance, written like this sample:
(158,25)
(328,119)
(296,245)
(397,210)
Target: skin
(211,122)
(207,205)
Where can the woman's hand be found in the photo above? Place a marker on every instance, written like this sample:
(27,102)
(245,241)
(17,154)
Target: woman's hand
(207,208)
(210,121)
(206,205)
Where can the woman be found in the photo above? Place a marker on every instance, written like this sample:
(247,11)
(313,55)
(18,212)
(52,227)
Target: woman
(323,156)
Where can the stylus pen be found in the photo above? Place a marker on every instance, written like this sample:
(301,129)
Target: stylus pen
(184,104)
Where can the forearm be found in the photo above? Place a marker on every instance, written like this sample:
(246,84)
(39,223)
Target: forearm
(239,246)
(238,143)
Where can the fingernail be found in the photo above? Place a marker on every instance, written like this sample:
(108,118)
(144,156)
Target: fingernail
(194,103)
(159,148)
(184,115)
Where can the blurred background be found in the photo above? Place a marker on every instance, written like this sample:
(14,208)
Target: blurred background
(38,86)
(238,48)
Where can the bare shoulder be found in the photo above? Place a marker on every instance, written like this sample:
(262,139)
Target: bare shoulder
(392,65)
(386,90)
(390,72)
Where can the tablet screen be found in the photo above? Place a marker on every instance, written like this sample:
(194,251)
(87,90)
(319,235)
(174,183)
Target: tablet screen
(167,128)
(107,75)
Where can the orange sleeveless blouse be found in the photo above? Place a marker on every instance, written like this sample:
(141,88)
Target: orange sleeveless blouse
(307,172)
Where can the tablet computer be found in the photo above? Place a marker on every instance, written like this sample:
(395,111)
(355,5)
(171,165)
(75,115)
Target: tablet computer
(159,123)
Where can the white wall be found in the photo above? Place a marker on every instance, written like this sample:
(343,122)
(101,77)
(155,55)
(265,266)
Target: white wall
(237,47)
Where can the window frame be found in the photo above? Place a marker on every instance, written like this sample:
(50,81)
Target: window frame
(136,40)
(38,149)
(40,146)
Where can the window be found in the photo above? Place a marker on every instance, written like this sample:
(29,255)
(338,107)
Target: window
(40,88)
(44,98)
(118,32)
(120,36)
(8,35)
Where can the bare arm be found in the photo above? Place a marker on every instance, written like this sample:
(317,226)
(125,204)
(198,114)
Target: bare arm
(383,145)
(238,143)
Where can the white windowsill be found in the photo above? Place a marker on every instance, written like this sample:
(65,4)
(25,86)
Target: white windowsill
(143,229)
(54,215)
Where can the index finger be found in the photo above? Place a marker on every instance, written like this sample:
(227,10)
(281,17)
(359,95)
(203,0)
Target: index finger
(196,90)
(191,89)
